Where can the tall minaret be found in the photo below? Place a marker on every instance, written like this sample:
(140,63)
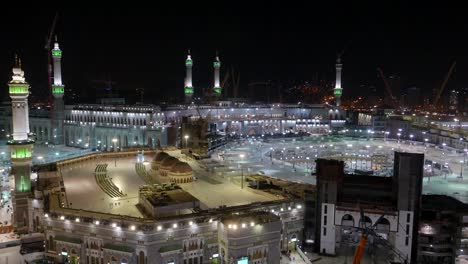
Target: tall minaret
(217,86)
(338,90)
(21,145)
(57,91)
(188,89)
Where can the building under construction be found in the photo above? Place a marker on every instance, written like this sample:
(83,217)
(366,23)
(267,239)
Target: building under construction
(351,210)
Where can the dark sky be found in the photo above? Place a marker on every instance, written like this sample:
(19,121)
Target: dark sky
(146,47)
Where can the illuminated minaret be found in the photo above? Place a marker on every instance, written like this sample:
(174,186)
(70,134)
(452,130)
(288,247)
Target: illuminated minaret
(21,145)
(188,89)
(338,90)
(57,91)
(216,65)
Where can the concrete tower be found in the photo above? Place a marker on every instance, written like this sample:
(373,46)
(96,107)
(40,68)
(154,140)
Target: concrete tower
(57,91)
(217,86)
(338,90)
(188,89)
(21,146)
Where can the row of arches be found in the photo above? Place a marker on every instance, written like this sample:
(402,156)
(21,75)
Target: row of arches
(106,140)
(382,225)
(109,119)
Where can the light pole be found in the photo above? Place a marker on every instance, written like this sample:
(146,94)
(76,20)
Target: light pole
(386,135)
(462,163)
(241,156)
(114,141)
(398,134)
(411,138)
(186,138)
(425,150)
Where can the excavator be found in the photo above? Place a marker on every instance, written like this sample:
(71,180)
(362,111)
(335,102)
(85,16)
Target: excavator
(367,231)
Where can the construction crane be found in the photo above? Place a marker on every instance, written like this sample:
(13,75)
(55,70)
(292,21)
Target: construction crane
(444,83)
(393,100)
(235,82)
(367,231)
(225,84)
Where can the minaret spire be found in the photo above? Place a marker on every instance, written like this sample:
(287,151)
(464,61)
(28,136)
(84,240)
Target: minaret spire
(337,91)
(188,87)
(21,146)
(58,90)
(216,66)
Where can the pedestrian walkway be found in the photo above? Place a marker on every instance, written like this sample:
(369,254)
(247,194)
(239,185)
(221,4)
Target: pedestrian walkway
(293,259)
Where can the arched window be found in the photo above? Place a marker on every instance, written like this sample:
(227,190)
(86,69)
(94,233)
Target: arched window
(383,225)
(347,220)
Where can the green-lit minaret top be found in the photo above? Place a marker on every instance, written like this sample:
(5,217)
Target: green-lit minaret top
(56,52)
(18,85)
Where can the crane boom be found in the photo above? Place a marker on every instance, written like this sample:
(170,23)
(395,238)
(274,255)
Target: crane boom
(444,83)
(387,87)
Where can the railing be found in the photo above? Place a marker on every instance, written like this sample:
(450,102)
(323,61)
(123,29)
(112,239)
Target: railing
(303,256)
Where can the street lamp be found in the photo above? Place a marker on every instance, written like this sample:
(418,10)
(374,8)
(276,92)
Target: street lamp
(462,162)
(411,137)
(398,134)
(242,171)
(186,138)
(114,141)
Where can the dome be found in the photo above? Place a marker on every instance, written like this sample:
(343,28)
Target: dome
(181,167)
(169,161)
(160,156)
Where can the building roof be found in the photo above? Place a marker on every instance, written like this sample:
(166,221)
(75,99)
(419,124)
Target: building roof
(181,167)
(160,156)
(170,197)
(168,162)
(443,203)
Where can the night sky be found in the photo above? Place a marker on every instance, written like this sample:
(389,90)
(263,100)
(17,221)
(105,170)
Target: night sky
(146,47)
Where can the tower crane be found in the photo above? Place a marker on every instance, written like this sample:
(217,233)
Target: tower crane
(444,83)
(393,100)
(225,84)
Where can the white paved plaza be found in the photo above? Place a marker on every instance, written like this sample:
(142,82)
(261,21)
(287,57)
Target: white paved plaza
(256,160)
(219,178)
(84,193)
